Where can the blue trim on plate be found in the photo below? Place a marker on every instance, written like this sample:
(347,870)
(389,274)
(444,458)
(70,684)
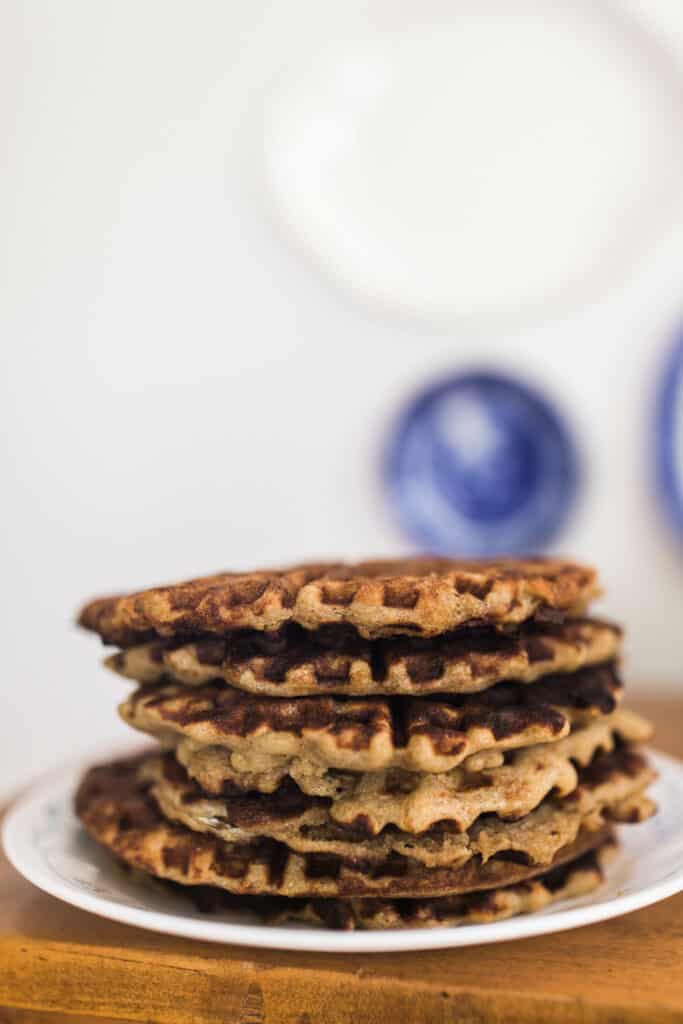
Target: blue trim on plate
(669,473)
(508,489)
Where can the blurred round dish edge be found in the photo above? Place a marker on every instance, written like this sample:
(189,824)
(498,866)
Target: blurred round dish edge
(669,437)
(481,463)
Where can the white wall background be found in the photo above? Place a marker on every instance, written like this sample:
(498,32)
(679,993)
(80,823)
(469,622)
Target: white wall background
(182,392)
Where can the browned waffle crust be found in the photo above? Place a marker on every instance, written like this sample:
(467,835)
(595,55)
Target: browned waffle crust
(118,811)
(568,881)
(296,662)
(412,802)
(369,734)
(422,597)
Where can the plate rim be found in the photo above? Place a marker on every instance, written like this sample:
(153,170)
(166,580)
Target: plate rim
(313,940)
(668,487)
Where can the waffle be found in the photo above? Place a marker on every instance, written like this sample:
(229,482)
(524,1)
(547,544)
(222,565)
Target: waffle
(295,662)
(118,812)
(411,801)
(436,822)
(422,597)
(265,738)
(569,881)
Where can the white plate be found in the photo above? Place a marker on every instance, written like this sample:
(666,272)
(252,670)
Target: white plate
(478,160)
(46,844)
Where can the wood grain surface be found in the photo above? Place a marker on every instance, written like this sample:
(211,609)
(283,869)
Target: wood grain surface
(61,965)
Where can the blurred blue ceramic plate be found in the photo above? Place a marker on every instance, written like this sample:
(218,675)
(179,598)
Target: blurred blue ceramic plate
(669,437)
(481,464)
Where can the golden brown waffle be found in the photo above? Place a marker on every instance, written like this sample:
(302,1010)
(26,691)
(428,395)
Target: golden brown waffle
(295,662)
(421,596)
(411,801)
(415,801)
(578,878)
(267,737)
(569,881)
(435,827)
(118,812)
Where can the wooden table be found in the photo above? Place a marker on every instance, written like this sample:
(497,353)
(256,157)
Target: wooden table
(60,965)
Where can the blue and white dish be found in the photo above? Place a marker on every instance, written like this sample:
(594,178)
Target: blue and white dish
(669,437)
(481,464)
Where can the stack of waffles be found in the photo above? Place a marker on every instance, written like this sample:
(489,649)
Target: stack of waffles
(378,745)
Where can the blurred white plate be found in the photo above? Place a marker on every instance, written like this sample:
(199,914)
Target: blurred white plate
(46,844)
(478,159)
